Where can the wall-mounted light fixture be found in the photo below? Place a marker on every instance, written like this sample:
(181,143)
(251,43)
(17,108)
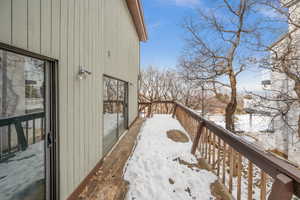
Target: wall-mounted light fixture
(82,74)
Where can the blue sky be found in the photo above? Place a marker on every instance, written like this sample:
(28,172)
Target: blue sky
(166,36)
(163,18)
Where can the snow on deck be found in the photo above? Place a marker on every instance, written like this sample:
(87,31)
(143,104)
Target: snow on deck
(155,162)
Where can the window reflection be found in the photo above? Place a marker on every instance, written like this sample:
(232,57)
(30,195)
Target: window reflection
(114,111)
(122,105)
(110,113)
(22,125)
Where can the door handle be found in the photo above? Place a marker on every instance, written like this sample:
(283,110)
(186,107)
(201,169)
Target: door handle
(49,140)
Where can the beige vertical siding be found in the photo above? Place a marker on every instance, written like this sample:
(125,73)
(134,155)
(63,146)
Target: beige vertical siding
(5,21)
(77,33)
(121,52)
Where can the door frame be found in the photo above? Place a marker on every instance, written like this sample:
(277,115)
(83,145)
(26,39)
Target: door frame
(51,105)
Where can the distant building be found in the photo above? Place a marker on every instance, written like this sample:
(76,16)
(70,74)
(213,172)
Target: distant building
(282,87)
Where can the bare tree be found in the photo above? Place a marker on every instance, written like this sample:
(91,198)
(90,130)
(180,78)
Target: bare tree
(215,50)
(169,85)
(282,96)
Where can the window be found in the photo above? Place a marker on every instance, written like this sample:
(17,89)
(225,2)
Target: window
(115,111)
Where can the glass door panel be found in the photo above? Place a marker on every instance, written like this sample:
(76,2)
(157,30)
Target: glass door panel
(22,127)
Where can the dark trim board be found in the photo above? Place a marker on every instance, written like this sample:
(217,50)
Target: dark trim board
(112,77)
(23,52)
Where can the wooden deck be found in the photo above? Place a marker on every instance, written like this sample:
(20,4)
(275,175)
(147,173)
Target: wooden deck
(107,182)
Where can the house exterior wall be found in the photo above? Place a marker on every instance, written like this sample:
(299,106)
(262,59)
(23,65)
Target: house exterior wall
(98,35)
(121,45)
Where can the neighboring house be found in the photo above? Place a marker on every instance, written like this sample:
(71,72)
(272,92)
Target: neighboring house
(89,53)
(286,125)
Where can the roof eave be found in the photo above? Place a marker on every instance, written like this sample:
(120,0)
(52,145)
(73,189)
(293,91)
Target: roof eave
(136,11)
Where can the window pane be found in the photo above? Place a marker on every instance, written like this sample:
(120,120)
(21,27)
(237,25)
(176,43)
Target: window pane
(110,113)
(122,104)
(22,127)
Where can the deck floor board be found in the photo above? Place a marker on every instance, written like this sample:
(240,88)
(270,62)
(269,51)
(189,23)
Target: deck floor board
(108,183)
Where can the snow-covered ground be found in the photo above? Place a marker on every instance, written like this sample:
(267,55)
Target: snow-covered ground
(256,133)
(22,172)
(155,162)
(259,123)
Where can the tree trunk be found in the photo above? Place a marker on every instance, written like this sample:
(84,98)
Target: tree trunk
(229,116)
(232,105)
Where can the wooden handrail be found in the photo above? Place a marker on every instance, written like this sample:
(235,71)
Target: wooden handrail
(268,163)
(5,121)
(21,123)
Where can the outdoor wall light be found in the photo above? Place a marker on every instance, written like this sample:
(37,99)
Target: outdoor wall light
(82,74)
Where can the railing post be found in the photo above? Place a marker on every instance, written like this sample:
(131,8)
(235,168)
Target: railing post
(149,110)
(174,111)
(197,138)
(282,188)
(21,136)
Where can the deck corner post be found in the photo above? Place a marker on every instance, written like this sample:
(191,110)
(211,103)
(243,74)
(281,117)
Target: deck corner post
(174,111)
(197,138)
(282,188)
(150,110)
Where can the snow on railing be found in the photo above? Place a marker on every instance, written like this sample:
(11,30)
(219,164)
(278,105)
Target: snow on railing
(246,171)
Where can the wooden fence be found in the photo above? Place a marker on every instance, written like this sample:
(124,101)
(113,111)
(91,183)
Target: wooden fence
(244,169)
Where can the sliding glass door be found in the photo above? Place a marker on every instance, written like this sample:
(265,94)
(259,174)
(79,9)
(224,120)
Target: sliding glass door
(115,111)
(24,120)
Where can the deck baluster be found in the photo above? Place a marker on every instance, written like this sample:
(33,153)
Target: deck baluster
(239,179)
(33,131)
(9,138)
(250,180)
(263,186)
(219,157)
(231,166)
(224,164)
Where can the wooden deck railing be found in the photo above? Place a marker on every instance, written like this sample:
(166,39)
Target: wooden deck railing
(17,132)
(247,171)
